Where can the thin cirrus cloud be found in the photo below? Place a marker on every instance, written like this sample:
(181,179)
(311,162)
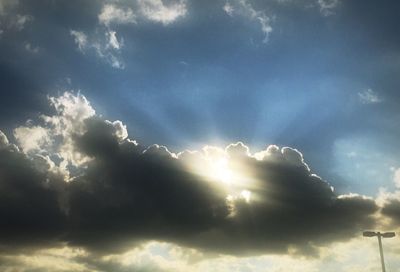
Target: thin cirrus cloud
(114,14)
(328,7)
(105,46)
(245,9)
(89,185)
(104,42)
(369,96)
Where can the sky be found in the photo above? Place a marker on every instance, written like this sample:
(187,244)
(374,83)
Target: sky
(188,135)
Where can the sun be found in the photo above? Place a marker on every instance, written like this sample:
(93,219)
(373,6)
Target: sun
(220,171)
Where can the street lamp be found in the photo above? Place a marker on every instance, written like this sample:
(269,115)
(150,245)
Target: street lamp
(380,235)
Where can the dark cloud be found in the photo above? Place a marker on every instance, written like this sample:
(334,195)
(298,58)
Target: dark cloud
(126,194)
(391,209)
(29,206)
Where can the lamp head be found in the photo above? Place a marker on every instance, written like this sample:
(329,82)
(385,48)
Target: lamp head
(369,233)
(388,234)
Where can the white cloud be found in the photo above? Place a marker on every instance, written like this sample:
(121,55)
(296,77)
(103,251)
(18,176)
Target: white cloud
(33,138)
(54,138)
(327,7)
(369,97)
(112,40)
(120,130)
(50,143)
(106,46)
(80,39)
(111,14)
(157,11)
(20,21)
(3,140)
(396,177)
(245,9)
(228,9)
(30,48)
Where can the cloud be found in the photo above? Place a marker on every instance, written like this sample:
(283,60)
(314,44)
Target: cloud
(106,47)
(104,41)
(10,18)
(327,7)
(113,41)
(32,49)
(3,139)
(390,202)
(396,177)
(152,10)
(54,136)
(89,185)
(111,14)
(31,138)
(369,97)
(80,39)
(29,204)
(20,21)
(161,256)
(157,11)
(245,9)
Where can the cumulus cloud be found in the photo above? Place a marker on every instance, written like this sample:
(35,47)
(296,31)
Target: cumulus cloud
(89,185)
(29,205)
(31,138)
(55,135)
(245,9)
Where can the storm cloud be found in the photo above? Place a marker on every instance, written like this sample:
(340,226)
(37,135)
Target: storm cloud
(87,184)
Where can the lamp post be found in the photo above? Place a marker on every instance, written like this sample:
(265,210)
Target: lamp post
(380,236)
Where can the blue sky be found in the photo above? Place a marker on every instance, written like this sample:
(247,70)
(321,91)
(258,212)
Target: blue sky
(319,76)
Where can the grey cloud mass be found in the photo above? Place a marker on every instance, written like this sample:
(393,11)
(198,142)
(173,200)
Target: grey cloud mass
(123,193)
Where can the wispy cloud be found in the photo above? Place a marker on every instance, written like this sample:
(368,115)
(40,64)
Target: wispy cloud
(31,48)
(328,7)
(369,96)
(245,9)
(106,46)
(11,16)
(111,14)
